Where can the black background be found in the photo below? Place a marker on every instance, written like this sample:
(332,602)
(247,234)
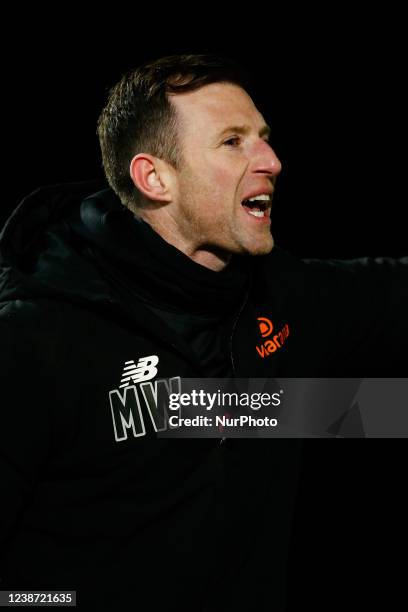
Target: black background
(332,86)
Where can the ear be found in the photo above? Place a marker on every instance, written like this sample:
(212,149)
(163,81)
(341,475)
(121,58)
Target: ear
(151,176)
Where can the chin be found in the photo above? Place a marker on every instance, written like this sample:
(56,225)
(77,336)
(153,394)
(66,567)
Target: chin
(261,248)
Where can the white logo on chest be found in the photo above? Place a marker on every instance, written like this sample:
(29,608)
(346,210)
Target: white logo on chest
(144,370)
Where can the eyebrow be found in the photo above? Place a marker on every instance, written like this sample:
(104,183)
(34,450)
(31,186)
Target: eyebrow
(244,130)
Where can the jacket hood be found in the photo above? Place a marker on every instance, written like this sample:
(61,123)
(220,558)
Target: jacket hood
(71,243)
(47,250)
(40,254)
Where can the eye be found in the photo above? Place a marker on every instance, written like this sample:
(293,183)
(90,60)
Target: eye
(233,141)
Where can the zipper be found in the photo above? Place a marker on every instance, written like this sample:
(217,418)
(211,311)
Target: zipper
(243,304)
(223,440)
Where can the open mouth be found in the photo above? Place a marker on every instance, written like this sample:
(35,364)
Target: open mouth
(258,206)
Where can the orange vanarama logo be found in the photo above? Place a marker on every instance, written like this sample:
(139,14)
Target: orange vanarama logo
(275,342)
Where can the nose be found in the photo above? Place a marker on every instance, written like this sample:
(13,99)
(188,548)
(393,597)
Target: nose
(265,160)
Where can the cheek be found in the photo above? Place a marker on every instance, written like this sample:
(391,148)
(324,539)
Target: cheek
(222,190)
(210,191)
(223,180)
(212,187)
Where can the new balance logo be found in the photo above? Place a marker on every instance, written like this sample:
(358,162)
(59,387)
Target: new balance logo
(144,370)
(131,406)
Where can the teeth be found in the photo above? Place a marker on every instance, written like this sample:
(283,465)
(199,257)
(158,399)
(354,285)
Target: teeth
(257,213)
(263,196)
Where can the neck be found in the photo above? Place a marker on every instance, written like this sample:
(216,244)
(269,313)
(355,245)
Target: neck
(211,258)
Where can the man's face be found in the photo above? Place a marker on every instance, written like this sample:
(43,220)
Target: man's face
(226,161)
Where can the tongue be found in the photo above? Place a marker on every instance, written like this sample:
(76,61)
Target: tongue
(250,206)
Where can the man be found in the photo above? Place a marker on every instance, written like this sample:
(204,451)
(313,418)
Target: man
(110,297)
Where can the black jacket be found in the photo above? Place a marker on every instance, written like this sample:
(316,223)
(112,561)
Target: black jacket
(114,512)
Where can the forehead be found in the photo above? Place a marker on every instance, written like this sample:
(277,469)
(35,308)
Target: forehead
(213,107)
